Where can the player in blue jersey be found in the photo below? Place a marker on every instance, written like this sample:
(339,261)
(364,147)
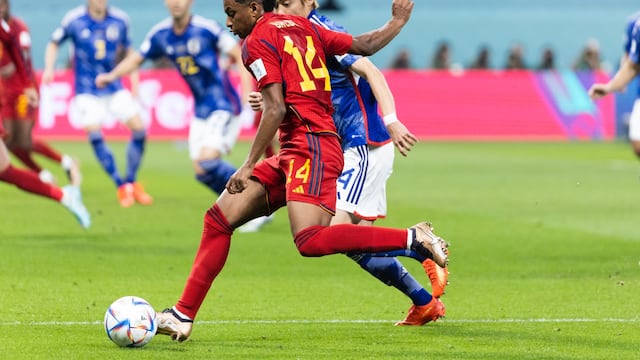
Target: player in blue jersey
(629,69)
(358,87)
(195,46)
(100,36)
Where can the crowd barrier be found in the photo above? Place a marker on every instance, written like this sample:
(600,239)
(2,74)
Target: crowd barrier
(434,105)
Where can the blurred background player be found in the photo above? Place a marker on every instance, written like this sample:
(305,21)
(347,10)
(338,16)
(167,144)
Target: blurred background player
(69,196)
(634,118)
(100,36)
(629,69)
(367,146)
(19,115)
(286,56)
(194,45)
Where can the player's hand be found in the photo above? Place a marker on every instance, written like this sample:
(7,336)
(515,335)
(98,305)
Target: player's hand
(47,76)
(32,96)
(103,80)
(402,138)
(239,180)
(401,10)
(599,90)
(255,100)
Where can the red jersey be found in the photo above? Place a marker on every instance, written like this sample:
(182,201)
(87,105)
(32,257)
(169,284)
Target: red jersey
(292,51)
(19,32)
(11,47)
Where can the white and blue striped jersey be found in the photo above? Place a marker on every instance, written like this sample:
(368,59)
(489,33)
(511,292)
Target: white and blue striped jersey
(355,107)
(97,46)
(632,39)
(196,54)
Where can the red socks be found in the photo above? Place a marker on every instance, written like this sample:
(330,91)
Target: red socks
(210,258)
(44,149)
(320,240)
(30,182)
(24,156)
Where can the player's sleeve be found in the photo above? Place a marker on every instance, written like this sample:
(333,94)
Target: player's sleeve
(634,54)
(14,51)
(628,36)
(263,61)
(226,43)
(149,48)
(335,43)
(62,32)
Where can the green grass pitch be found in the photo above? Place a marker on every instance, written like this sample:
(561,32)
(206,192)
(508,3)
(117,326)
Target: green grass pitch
(545,264)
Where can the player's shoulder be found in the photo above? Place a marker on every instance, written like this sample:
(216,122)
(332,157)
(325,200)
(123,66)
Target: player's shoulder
(16,22)
(162,26)
(74,14)
(325,22)
(118,14)
(206,24)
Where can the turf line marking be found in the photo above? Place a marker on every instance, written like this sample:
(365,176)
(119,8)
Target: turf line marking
(371,321)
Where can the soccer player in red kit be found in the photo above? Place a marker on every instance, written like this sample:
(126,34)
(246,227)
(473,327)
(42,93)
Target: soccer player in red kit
(18,114)
(286,56)
(69,196)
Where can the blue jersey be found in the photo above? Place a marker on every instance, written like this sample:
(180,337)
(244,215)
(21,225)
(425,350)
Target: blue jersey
(195,53)
(356,109)
(632,36)
(97,46)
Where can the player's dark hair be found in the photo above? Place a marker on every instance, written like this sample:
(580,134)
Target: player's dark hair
(268,5)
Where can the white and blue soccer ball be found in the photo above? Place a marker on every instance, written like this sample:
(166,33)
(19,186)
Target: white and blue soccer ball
(130,321)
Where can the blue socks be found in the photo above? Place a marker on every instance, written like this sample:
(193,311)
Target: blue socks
(406,253)
(216,174)
(391,272)
(134,154)
(105,156)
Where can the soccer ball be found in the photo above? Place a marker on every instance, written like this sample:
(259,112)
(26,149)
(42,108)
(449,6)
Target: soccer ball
(130,321)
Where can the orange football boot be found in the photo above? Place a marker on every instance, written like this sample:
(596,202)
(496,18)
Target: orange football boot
(125,195)
(140,195)
(420,315)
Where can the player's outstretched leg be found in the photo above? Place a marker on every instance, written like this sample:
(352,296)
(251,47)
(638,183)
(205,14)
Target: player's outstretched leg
(391,272)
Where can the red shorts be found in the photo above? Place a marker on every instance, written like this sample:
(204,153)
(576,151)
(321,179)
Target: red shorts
(15,106)
(306,170)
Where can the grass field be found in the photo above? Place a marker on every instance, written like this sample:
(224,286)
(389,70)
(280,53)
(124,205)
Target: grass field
(545,263)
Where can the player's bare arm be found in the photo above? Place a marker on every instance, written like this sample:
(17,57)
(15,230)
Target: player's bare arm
(625,74)
(50,55)
(372,41)
(129,64)
(402,138)
(273,112)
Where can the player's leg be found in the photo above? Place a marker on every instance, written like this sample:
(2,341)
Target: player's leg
(312,168)
(69,196)
(92,111)
(68,164)
(206,148)
(230,211)
(361,198)
(634,128)
(123,106)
